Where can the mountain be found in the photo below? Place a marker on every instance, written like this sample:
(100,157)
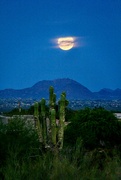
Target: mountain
(108,94)
(73,89)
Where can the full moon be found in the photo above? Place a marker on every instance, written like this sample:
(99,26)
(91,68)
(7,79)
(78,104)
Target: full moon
(65,43)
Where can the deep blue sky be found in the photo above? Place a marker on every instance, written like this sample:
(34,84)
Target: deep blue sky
(27,53)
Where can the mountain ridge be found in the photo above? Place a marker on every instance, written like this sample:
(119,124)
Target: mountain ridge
(73,89)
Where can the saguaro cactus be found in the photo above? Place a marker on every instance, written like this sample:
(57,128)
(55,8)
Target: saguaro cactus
(53,126)
(44,127)
(37,122)
(51,92)
(62,105)
(49,132)
(52,97)
(52,103)
(43,111)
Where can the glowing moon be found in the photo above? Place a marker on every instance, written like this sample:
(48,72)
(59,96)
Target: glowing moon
(65,43)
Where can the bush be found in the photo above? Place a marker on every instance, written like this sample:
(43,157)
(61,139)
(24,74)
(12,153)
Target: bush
(18,136)
(96,127)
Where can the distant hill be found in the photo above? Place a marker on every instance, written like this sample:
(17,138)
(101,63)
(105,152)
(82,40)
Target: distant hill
(108,94)
(73,89)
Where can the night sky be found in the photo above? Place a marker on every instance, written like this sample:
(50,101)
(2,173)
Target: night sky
(28,49)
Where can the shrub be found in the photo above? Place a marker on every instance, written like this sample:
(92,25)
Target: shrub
(96,127)
(18,136)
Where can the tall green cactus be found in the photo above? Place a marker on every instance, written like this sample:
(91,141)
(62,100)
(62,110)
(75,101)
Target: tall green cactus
(51,92)
(37,122)
(53,126)
(62,106)
(43,110)
(51,134)
(43,116)
(52,97)
(52,103)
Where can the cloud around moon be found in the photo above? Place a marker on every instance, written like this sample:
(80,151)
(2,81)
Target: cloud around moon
(67,43)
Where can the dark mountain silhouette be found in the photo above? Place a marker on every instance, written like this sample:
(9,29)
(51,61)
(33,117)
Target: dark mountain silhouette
(73,89)
(108,94)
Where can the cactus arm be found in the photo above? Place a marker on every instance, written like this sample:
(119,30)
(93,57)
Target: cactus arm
(37,122)
(43,116)
(61,121)
(51,90)
(53,126)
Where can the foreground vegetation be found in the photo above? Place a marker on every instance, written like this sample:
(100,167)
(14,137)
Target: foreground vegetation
(91,149)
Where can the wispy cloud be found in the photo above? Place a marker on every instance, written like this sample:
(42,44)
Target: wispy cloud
(68,41)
